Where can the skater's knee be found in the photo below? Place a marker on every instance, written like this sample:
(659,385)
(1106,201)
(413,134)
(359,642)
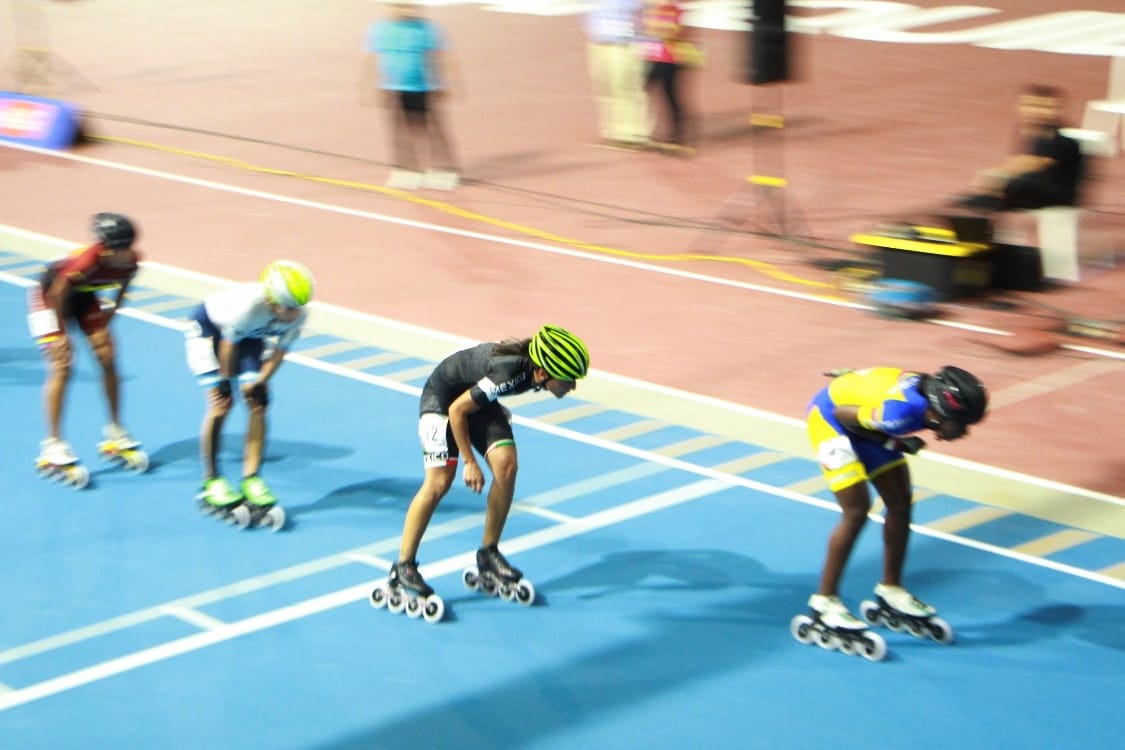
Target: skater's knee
(503,461)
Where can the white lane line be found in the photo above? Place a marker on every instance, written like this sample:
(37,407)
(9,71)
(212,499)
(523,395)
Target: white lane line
(192,617)
(379,563)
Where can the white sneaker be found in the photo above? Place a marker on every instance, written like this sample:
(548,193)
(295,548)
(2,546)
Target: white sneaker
(441,179)
(57,451)
(901,600)
(834,614)
(404,179)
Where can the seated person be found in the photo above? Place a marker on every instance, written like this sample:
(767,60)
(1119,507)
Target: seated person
(1048,170)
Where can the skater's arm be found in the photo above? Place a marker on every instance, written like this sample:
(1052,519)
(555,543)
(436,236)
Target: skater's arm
(228,352)
(272,364)
(459,412)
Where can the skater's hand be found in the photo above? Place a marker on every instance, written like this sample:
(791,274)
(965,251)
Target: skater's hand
(473,476)
(220,397)
(909,445)
(258,395)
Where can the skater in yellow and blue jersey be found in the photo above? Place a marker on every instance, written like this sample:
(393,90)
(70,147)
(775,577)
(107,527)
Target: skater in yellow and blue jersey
(861,426)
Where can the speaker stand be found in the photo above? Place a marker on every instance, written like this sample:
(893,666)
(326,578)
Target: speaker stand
(38,70)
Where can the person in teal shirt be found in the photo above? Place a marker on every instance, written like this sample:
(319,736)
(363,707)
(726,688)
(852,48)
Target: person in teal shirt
(407,54)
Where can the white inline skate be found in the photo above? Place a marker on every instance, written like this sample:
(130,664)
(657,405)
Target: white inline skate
(896,608)
(121,449)
(495,576)
(405,590)
(831,626)
(57,462)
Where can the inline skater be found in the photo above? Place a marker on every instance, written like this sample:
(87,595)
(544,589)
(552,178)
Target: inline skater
(460,412)
(70,294)
(861,427)
(226,342)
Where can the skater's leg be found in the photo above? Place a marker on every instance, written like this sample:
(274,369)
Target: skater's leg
(503,462)
(436,483)
(59,362)
(255,433)
(210,435)
(855,502)
(895,489)
(102,343)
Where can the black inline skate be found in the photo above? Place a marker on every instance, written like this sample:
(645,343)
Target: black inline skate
(495,576)
(406,591)
(899,610)
(831,626)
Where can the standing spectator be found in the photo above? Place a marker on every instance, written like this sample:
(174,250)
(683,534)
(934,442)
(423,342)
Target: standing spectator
(408,55)
(618,73)
(665,51)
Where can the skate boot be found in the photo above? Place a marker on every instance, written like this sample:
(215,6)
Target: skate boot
(122,449)
(218,498)
(406,591)
(896,608)
(56,461)
(831,626)
(262,504)
(495,576)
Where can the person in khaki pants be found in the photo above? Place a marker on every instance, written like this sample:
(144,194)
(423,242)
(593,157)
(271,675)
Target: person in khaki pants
(618,72)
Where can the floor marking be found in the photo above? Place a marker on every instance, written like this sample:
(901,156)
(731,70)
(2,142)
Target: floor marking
(750,463)
(636,429)
(1054,381)
(172,304)
(968,519)
(543,513)
(374,360)
(691,445)
(335,347)
(364,559)
(1057,542)
(571,413)
(1114,571)
(413,373)
(193,617)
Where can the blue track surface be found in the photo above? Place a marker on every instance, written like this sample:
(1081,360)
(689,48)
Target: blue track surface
(665,594)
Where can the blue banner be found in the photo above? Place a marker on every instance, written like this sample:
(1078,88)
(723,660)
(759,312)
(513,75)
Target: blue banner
(35,121)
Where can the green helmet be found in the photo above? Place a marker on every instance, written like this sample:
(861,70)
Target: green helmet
(288,283)
(560,353)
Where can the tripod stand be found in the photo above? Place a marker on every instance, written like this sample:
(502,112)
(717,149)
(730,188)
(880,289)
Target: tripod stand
(762,202)
(38,70)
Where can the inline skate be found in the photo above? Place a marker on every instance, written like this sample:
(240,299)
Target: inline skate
(262,504)
(896,608)
(57,462)
(121,449)
(495,576)
(831,626)
(218,498)
(406,591)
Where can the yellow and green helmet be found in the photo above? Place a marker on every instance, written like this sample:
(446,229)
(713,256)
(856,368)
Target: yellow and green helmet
(560,353)
(288,283)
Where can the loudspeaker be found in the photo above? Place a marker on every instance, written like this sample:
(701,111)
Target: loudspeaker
(769,43)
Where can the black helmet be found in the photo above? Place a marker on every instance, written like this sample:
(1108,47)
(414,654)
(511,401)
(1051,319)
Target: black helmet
(956,394)
(115,231)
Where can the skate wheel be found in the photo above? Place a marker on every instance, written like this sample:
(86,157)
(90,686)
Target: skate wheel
(507,591)
(240,516)
(414,607)
(433,609)
(378,597)
(896,624)
(471,578)
(525,592)
(77,476)
(915,628)
(940,631)
(137,461)
(489,584)
(849,647)
(275,518)
(801,628)
(870,612)
(874,648)
(396,602)
(826,639)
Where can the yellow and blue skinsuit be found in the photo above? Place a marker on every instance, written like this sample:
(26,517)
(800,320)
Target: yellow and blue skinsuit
(888,400)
